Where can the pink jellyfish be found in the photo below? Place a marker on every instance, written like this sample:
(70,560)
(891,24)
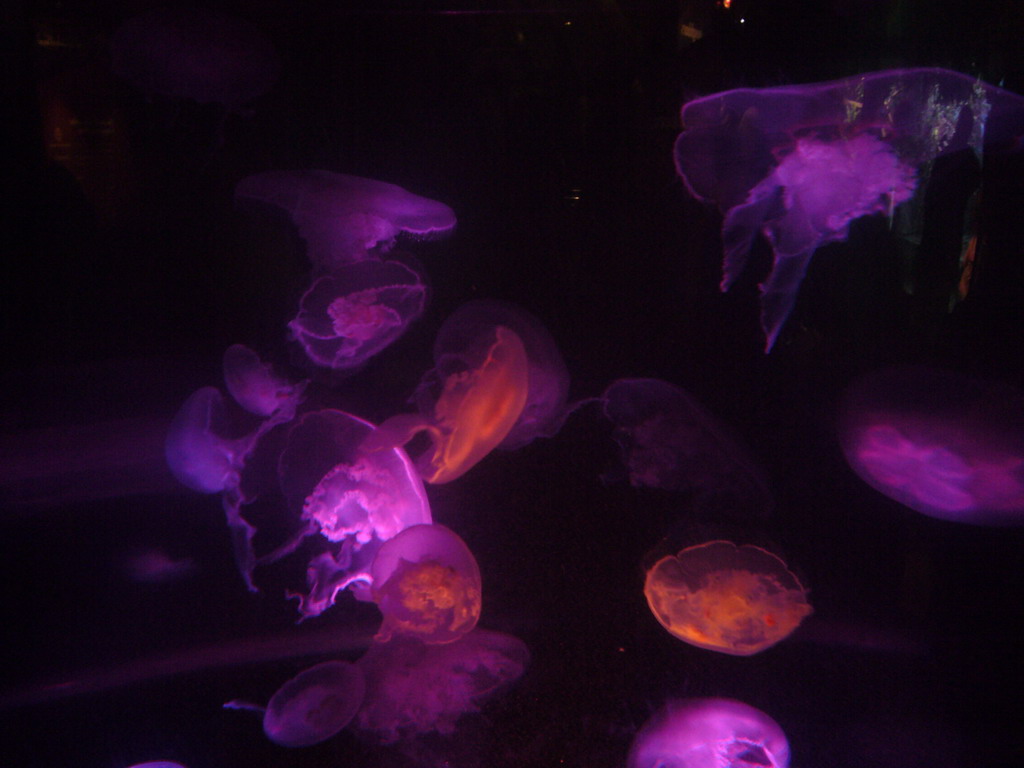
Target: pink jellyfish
(427,584)
(254,385)
(350,501)
(799,163)
(709,733)
(199,452)
(939,442)
(669,441)
(413,688)
(346,218)
(736,600)
(468,405)
(315,704)
(349,315)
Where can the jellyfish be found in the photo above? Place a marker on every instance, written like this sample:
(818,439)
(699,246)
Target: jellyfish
(669,441)
(800,163)
(255,387)
(482,393)
(939,442)
(346,218)
(350,314)
(709,733)
(352,501)
(718,596)
(199,453)
(427,584)
(413,688)
(315,704)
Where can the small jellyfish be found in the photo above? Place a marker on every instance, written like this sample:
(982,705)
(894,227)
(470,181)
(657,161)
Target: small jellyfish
(254,385)
(669,441)
(482,395)
(427,584)
(736,600)
(346,218)
(799,163)
(938,442)
(709,733)
(349,315)
(413,688)
(199,454)
(315,704)
(353,500)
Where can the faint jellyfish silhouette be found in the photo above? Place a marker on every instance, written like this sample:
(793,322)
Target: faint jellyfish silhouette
(349,315)
(736,600)
(427,584)
(942,443)
(356,501)
(199,454)
(799,163)
(668,441)
(413,688)
(315,704)
(481,393)
(254,385)
(548,379)
(709,733)
(346,218)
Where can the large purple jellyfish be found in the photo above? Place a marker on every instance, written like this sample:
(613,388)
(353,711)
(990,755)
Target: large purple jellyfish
(799,163)
(413,688)
(346,218)
(669,441)
(709,733)
(349,315)
(939,442)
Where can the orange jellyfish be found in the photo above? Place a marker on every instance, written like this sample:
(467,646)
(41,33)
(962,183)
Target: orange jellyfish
(477,407)
(716,595)
(427,584)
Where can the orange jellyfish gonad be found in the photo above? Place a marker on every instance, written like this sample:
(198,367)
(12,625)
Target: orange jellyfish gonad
(718,596)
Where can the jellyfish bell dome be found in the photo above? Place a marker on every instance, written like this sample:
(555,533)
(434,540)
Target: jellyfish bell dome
(315,704)
(426,582)
(939,442)
(709,733)
(254,385)
(738,600)
(198,452)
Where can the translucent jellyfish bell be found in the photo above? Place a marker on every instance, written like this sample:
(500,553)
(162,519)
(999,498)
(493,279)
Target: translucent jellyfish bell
(800,163)
(938,442)
(736,600)
(669,441)
(481,399)
(427,584)
(709,733)
(343,218)
(349,315)
(254,385)
(413,688)
(198,453)
(315,704)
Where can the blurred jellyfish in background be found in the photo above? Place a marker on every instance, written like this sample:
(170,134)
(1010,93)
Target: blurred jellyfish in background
(315,704)
(346,218)
(350,501)
(668,441)
(349,315)
(426,582)
(469,403)
(200,455)
(942,443)
(414,689)
(799,163)
(736,600)
(254,385)
(709,733)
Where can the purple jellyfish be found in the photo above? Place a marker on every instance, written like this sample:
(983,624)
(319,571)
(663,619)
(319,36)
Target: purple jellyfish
(709,733)
(353,501)
(413,688)
(346,218)
(800,163)
(669,441)
(349,315)
(315,704)
(199,453)
(427,584)
(939,442)
(254,385)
